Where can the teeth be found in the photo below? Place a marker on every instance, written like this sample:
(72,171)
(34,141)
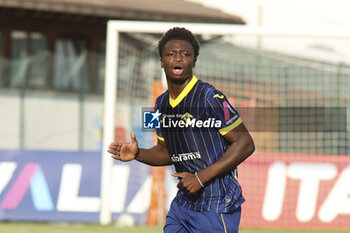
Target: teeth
(177,70)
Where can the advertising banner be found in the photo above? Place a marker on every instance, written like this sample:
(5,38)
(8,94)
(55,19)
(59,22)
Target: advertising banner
(65,186)
(281,190)
(296,191)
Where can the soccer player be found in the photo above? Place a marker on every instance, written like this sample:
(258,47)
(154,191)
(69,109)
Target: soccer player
(202,136)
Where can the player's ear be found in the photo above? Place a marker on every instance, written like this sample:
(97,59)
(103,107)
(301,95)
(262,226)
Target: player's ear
(161,63)
(194,62)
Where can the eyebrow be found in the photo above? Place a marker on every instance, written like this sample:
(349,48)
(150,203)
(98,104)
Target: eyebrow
(181,50)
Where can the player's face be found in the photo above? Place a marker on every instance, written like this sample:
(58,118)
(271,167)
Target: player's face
(178,60)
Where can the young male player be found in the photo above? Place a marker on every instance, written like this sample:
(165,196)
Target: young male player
(202,136)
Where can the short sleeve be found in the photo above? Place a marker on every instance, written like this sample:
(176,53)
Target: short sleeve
(159,130)
(220,109)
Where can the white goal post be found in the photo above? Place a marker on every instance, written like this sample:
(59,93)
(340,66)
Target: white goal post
(114,28)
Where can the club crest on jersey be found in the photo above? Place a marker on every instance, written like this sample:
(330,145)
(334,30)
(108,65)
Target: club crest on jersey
(186,117)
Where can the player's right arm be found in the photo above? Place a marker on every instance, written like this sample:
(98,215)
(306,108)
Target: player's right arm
(155,156)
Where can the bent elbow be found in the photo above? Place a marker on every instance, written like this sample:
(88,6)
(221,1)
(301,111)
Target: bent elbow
(250,148)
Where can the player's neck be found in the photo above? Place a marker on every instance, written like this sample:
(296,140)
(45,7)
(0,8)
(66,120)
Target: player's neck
(176,87)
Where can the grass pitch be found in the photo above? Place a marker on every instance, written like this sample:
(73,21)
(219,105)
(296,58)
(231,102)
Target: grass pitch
(28,227)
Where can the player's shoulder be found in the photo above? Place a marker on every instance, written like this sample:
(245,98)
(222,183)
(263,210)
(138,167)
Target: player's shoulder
(162,97)
(210,90)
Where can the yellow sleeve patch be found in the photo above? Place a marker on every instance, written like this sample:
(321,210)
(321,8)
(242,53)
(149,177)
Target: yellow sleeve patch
(227,129)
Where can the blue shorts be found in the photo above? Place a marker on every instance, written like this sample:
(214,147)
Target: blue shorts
(180,220)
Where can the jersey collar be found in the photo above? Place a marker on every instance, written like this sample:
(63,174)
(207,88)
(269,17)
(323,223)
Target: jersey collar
(184,92)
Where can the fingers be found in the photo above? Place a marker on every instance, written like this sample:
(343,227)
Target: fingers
(121,150)
(133,137)
(180,186)
(186,189)
(188,183)
(112,151)
(179,174)
(115,146)
(116,157)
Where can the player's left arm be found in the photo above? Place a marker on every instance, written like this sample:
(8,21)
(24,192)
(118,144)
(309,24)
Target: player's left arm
(241,147)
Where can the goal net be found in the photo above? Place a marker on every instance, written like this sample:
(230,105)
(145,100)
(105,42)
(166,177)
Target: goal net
(291,89)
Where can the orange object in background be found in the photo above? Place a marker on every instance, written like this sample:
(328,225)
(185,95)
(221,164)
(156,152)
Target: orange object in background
(156,212)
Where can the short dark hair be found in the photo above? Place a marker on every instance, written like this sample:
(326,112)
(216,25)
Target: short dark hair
(177,33)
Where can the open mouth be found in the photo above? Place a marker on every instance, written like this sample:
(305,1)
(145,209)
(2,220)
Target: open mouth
(177,70)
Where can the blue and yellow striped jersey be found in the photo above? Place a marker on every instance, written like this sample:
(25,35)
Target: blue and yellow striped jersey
(193,126)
